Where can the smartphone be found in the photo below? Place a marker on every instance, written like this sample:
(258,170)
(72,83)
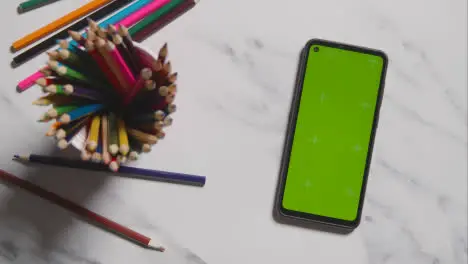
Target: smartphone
(330,134)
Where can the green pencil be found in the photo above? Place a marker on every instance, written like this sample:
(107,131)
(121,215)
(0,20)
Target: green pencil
(33,4)
(154,16)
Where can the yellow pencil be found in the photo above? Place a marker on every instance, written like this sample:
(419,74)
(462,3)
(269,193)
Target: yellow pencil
(93,133)
(59,23)
(106,157)
(123,138)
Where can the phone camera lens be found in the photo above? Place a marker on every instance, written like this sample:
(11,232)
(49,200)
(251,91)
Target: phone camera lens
(316,49)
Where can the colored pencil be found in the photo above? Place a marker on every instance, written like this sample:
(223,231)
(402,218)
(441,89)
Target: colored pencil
(122,67)
(65,142)
(141,13)
(142,136)
(51,99)
(44,81)
(145,75)
(59,23)
(70,129)
(168,121)
(102,33)
(164,21)
(79,91)
(112,64)
(55,89)
(150,85)
(80,112)
(82,212)
(113,136)
(28,82)
(127,39)
(93,136)
(155,16)
(102,64)
(60,110)
(162,55)
(53,129)
(97,155)
(118,41)
(124,146)
(160,18)
(33,4)
(146,173)
(106,157)
(76,36)
(125,12)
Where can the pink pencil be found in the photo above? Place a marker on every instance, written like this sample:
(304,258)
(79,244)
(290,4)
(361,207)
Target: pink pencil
(142,13)
(29,81)
(145,75)
(122,67)
(101,63)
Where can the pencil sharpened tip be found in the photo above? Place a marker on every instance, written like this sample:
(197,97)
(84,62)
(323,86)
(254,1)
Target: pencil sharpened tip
(14,64)
(20,158)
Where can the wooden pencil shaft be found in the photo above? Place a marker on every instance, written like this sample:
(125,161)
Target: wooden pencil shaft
(128,42)
(123,137)
(145,173)
(142,136)
(60,110)
(118,41)
(51,41)
(71,129)
(101,62)
(135,145)
(93,136)
(80,112)
(111,63)
(79,91)
(154,17)
(122,67)
(61,22)
(113,134)
(163,21)
(105,142)
(72,207)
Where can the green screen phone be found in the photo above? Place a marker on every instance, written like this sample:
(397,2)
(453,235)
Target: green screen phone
(330,134)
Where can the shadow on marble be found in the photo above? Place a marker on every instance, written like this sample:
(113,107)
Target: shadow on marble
(47,224)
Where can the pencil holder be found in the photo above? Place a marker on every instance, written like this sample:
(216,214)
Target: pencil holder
(111,99)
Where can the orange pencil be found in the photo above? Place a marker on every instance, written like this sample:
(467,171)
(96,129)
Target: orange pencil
(57,24)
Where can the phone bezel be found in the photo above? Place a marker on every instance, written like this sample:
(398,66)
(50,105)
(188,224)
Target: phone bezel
(292,126)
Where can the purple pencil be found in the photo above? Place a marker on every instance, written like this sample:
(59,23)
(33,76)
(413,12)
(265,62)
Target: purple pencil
(143,173)
(82,92)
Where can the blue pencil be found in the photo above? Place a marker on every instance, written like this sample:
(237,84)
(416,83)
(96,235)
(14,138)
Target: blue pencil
(117,17)
(143,173)
(80,112)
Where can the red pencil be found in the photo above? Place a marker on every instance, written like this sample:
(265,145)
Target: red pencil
(81,211)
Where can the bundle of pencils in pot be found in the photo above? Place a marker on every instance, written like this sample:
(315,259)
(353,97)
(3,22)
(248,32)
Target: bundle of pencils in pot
(102,90)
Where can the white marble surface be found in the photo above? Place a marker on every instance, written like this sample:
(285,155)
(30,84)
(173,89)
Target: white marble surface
(237,62)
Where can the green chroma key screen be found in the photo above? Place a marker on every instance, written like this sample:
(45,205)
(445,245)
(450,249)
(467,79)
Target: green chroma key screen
(332,133)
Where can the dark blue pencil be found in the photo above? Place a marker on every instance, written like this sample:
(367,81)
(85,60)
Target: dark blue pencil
(142,173)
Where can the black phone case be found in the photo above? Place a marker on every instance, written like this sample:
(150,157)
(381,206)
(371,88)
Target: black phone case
(301,217)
